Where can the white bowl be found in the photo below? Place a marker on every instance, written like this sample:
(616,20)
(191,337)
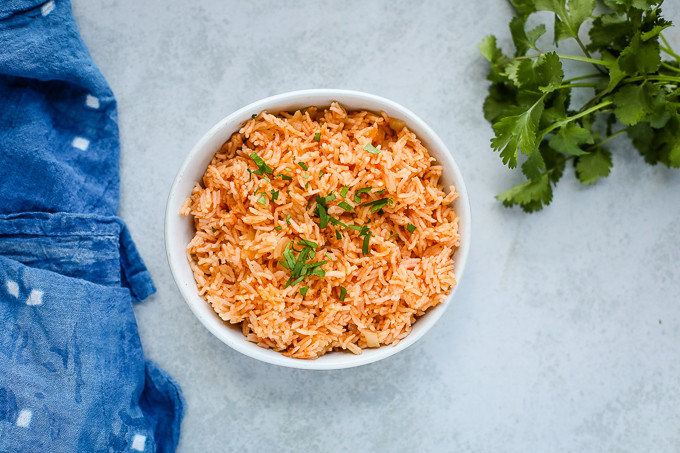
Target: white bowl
(179,230)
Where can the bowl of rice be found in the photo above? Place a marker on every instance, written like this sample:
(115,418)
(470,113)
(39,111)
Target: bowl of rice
(318,229)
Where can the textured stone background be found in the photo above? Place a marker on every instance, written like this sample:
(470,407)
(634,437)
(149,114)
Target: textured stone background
(564,335)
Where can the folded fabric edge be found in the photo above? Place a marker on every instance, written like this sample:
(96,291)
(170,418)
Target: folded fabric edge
(161,391)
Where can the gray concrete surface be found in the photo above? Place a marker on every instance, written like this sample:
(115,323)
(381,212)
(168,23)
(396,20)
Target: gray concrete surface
(565,333)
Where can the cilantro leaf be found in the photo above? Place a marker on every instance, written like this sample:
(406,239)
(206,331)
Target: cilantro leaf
(522,39)
(591,167)
(569,138)
(568,18)
(530,195)
(517,133)
(640,56)
(631,104)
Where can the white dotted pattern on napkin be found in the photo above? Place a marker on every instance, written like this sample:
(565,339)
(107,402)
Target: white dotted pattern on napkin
(12,288)
(47,8)
(138,442)
(35,298)
(81,143)
(92,101)
(24,418)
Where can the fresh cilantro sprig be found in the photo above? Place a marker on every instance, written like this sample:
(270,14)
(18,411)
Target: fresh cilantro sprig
(634,90)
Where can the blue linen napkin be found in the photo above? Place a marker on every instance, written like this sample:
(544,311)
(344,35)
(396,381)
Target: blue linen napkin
(72,371)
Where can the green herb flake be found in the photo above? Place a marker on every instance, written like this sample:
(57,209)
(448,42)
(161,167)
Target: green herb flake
(354,227)
(317,137)
(364,247)
(266,178)
(338,236)
(261,164)
(323,216)
(275,194)
(250,174)
(263,199)
(288,219)
(306,185)
(320,173)
(214,230)
(307,243)
(285,177)
(392,234)
(329,256)
(371,149)
(357,195)
(381,191)
(411,228)
(335,221)
(253,116)
(278,228)
(378,204)
(343,293)
(343,191)
(303,166)
(304,290)
(346,206)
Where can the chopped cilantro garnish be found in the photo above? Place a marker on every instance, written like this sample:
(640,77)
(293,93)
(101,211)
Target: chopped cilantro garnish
(306,185)
(364,248)
(343,293)
(256,189)
(284,177)
(303,165)
(306,176)
(381,191)
(343,191)
(392,234)
(354,227)
(335,221)
(371,149)
(311,244)
(288,169)
(317,136)
(323,216)
(253,116)
(329,256)
(363,231)
(338,236)
(320,173)
(262,166)
(357,195)
(250,174)
(214,230)
(278,228)
(288,219)
(344,205)
(304,290)
(330,197)
(411,228)
(266,178)
(275,194)
(378,204)
(263,199)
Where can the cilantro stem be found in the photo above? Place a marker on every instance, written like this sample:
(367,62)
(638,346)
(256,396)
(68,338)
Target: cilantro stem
(565,57)
(668,49)
(585,51)
(577,85)
(662,78)
(615,134)
(669,67)
(569,119)
(587,76)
